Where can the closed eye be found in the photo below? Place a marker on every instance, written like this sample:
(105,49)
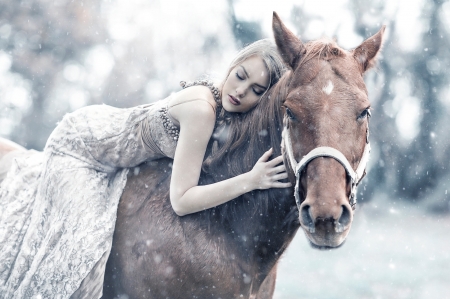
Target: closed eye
(257,92)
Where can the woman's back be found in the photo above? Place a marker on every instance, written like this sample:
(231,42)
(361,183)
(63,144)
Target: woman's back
(60,225)
(75,184)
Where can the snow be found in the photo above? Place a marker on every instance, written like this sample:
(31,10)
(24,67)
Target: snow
(393,251)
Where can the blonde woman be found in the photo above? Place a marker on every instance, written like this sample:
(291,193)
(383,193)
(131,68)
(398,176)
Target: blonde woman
(58,207)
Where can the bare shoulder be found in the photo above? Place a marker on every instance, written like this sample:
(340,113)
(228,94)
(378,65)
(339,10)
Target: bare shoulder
(199,92)
(196,102)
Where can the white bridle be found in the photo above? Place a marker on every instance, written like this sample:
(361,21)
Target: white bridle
(325,151)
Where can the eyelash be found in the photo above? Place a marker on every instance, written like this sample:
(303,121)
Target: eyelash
(240,78)
(365,113)
(258,93)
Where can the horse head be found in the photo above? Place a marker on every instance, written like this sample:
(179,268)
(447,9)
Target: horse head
(326,129)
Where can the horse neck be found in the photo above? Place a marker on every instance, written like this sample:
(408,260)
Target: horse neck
(259,225)
(276,228)
(262,238)
(265,231)
(265,228)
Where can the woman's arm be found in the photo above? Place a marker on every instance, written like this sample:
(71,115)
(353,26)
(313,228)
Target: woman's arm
(196,126)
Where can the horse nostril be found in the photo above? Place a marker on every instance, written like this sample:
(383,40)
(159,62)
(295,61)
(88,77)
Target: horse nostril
(307,219)
(344,220)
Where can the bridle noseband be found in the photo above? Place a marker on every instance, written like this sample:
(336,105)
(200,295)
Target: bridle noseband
(325,151)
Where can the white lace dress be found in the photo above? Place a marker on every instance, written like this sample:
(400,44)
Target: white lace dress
(58,207)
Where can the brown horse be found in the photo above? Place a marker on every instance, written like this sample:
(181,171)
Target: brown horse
(232,251)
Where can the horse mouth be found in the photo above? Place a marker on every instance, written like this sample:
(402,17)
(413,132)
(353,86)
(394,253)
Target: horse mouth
(325,238)
(324,234)
(325,247)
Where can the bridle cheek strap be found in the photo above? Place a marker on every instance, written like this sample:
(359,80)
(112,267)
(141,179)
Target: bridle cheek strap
(325,151)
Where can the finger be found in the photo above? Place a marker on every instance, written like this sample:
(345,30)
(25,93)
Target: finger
(276,161)
(266,155)
(280,176)
(279,168)
(281,185)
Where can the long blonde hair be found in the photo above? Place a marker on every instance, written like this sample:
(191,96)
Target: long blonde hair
(234,131)
(267,51)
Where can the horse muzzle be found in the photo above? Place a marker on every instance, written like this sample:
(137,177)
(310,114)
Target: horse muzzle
(329,228)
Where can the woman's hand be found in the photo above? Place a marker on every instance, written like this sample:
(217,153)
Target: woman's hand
(266,174)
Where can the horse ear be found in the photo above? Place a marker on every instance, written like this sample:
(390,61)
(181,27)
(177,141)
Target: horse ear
(289,46)
(366,53)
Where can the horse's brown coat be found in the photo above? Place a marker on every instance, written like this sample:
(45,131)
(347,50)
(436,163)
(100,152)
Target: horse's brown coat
(327,97)
(216,254)
(232,251)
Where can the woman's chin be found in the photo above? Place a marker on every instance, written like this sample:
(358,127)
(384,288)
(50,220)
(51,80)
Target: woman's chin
(228,107)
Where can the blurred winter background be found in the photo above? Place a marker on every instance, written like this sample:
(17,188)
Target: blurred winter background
(59,55)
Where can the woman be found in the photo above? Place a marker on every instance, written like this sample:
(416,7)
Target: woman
(58,207)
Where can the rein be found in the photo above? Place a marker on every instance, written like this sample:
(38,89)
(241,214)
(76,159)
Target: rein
(326,151)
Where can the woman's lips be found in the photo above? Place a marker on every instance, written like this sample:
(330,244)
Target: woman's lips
(234,100)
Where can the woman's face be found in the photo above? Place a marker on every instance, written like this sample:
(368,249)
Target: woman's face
(245,85)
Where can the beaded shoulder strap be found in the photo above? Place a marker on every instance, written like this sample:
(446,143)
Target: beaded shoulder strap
(169,126)
(214,90)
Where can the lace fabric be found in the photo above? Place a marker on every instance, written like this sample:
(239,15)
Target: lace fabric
(58,207)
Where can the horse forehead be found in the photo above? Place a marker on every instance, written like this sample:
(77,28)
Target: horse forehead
(347,70)
(334,86)
(328,94)
(335,80)
(328,101)
(321,71)
(328,88)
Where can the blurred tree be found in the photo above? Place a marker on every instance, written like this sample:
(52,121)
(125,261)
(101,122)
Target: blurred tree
(383,174)
(66,54)
(61,55)
(244,32)
(413,169)
(44,35)
(421,170)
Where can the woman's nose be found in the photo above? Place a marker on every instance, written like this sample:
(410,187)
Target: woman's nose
(241,91)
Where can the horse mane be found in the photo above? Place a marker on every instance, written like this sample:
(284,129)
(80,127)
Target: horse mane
(264,132)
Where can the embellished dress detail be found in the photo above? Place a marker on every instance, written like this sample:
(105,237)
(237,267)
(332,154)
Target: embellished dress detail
(58,207)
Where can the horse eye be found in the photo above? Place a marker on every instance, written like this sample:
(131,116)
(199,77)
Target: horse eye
(290,114)
(365,113)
